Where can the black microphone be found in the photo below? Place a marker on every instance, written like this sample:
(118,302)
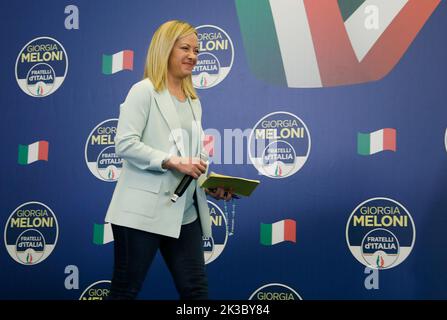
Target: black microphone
(184,183)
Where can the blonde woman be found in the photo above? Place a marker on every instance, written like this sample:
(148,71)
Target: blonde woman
(159,139)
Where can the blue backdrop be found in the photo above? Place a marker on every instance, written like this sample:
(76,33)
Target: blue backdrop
(317,260)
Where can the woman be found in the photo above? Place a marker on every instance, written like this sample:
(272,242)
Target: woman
(159,139)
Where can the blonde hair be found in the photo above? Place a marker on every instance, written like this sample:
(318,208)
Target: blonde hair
(156,68)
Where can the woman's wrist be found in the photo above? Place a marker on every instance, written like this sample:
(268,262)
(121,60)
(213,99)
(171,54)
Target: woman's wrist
(167,163)
(171,162)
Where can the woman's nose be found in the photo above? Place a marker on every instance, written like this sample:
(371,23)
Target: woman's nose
(192,55)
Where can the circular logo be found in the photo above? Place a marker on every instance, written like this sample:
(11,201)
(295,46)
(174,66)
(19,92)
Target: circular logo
(31,233)
(215,245)
(100,154)
(380,233)
(215,59)
(279,144)
(208,248)
(96,291)
(275,291)
(41,67)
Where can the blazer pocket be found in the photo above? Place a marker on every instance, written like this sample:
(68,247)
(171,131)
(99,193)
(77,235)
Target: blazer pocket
(147,183)
(140,202)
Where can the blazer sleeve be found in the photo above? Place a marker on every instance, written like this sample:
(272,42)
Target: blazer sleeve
(134,113)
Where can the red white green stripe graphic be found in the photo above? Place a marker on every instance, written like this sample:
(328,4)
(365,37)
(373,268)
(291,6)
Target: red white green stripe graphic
(284,230)
(377,141)
(119,61)
(319,43)
(33,152)
(102,233)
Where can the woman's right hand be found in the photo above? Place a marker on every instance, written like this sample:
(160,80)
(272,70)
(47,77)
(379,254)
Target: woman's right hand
(193,167)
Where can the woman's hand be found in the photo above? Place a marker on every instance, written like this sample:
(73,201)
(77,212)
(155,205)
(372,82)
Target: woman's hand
(193,167)
(220,193)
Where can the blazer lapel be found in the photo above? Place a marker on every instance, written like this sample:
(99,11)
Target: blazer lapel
(197,116)
(169,113)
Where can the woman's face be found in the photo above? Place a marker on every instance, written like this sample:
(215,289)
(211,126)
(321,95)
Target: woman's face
(183,56)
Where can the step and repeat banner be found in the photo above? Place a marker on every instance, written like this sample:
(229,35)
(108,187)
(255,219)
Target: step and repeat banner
(337,107)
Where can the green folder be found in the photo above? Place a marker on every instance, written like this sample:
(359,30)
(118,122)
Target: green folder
(241,186)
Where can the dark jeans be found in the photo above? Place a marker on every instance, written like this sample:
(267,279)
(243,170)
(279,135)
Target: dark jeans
(135,251)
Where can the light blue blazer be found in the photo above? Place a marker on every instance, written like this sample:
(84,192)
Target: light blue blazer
(147,133)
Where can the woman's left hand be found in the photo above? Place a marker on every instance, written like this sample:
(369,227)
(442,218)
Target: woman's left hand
(220,193)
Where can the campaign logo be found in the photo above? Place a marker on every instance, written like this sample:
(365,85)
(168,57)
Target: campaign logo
(31,233)
(380,233)
(377,141)
(324,43)
(279,144)
(215,245)
(117,62)
(33,152)
(41,67)
(96,291)
(215,59)
(275,291)
(280,231)
(100,154)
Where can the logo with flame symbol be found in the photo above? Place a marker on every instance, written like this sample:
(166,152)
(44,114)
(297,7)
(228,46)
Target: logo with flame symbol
(31,233)
(100,154)
(279,145)
(380,233)
(215,59)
